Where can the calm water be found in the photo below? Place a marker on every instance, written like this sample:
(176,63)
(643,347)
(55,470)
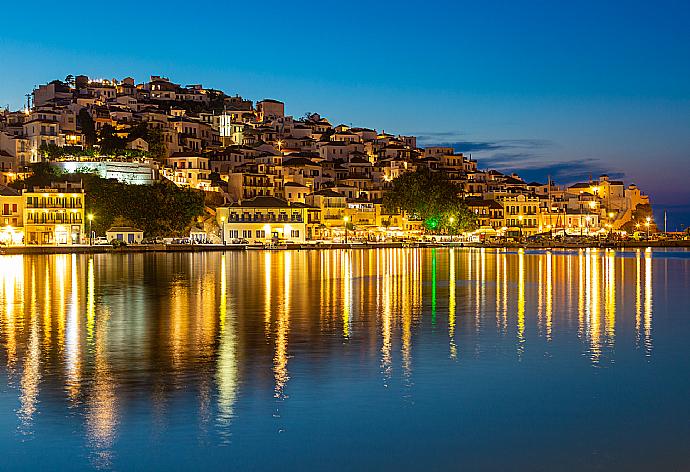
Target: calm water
(400,359)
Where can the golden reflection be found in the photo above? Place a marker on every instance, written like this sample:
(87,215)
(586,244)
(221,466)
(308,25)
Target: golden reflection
(504,260)
(60,274)
(549,295)
(90,301)
(205,324)
(451,305)
(521,302)
(267,292)
(47,309)
(347,293)
(498,291)
(12,273)
(31,377)
(180,324)
(581,262)
(280,359)
(384,300)
(72,348)
(540,296)
(102,403)
(648,301)
(227,368)
(433,286)
(481,305)
(478,282)
(406,313)
(638,296)
(610,297)
(593,304)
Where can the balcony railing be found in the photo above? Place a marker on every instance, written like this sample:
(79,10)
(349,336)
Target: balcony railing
(53,221)
(264,219)
(58,206)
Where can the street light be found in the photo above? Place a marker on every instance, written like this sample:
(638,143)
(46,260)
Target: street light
(346,219)
(90,218)
(647,224)
(520,217)
(222,230)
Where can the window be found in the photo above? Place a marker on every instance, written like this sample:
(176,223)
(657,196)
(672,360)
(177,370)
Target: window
(260,233)
(295,233)
(247,233)
(234,233)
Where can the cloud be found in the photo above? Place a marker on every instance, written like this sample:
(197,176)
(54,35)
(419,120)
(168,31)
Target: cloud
(532,159)
(460,145)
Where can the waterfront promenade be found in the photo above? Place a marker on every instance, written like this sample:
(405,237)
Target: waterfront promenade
(174,248)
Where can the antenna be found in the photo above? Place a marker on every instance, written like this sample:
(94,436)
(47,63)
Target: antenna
(664,221)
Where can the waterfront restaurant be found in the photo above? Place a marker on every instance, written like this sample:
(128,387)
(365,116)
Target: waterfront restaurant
(268,219)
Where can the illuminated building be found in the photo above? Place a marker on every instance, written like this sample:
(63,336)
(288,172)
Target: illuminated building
(268,219)
(54,216)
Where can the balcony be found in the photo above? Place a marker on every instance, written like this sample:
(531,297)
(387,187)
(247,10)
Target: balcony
(53,221)
(54,205)
(265,219)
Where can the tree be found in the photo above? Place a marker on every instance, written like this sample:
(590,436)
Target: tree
(110,142)
(88,129)
(43,175)
(161,209)
(430,197)
(50,151)
(154,138)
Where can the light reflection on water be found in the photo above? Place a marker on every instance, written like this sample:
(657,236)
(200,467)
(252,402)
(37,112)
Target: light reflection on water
(193,342)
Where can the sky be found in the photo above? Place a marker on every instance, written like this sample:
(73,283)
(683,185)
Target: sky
(560,89)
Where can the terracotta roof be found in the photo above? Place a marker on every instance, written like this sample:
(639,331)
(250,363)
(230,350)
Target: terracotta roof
(328,193)
(262,202)
(299,161)
(8,192)
(124,229)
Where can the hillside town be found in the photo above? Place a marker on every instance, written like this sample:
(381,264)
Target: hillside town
(267,177)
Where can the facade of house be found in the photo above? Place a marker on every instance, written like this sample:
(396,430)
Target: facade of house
(268,219)
(125,234)
(54,215)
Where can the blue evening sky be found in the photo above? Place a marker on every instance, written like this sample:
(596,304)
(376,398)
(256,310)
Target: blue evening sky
(566,89)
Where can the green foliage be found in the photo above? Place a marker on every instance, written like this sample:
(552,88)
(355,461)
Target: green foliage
(162,209)
(430,197)
(154,137)
(54,152)
(43,175)
(88,129)
(111,143)
(639,216)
